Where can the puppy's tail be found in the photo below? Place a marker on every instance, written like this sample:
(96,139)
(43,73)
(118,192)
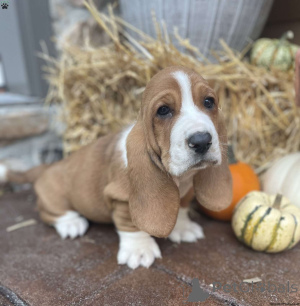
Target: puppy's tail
(30,176)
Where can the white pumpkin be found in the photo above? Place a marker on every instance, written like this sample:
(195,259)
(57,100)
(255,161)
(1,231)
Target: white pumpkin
(284,178)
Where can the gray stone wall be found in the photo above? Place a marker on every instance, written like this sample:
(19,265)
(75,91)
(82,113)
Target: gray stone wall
(29,135)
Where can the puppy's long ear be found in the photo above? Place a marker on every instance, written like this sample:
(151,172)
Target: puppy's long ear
(154,197)
(213,185)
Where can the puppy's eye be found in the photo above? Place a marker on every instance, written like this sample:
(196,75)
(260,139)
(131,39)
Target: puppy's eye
(164,111)
(209,102)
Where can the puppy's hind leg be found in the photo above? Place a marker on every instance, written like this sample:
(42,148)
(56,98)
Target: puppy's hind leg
(54,205)
(67,223)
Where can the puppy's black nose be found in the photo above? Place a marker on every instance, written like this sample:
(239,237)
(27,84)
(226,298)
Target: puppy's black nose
(200,142)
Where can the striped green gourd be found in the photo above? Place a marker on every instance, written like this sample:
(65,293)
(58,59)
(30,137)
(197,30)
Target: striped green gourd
(266,223)
(275,53)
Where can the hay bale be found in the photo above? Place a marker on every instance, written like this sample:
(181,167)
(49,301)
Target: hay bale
(100,90)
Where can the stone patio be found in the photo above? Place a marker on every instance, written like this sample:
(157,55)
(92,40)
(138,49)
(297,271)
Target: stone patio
(38,268)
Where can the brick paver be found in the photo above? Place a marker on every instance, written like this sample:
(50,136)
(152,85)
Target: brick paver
(38,268)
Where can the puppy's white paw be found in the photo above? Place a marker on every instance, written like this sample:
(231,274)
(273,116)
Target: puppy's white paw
(137,249)
(71,225)
(186,230)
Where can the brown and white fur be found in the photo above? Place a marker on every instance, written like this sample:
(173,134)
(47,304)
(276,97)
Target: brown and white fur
(142,178)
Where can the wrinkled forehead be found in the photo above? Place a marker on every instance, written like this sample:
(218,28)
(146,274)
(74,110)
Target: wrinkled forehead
(175,80)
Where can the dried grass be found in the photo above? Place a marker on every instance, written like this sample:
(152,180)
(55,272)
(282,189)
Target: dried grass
(100,90)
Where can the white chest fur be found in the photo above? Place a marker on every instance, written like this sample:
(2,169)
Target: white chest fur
(185,182)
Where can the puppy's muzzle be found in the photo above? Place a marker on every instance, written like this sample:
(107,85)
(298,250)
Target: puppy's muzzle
(200,142)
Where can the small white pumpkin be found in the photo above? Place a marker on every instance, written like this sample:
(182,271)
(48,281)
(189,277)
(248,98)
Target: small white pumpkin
(266,223)
(284,178)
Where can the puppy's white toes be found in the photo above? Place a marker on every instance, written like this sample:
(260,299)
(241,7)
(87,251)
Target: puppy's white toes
(197,229)
(137,249)
(61,230)
(156,250)
(71,225)
(147,259)
(175,236)
(188,236)
(73,230)
(83,226)
(186,230)
(123,257)
(134,260)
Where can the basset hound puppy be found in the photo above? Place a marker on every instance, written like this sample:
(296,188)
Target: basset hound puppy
(143,178)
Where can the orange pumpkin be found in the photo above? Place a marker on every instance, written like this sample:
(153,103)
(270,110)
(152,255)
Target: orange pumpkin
(244,180)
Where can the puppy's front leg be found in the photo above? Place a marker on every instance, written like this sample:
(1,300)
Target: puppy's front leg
(186,230)
(136,248)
